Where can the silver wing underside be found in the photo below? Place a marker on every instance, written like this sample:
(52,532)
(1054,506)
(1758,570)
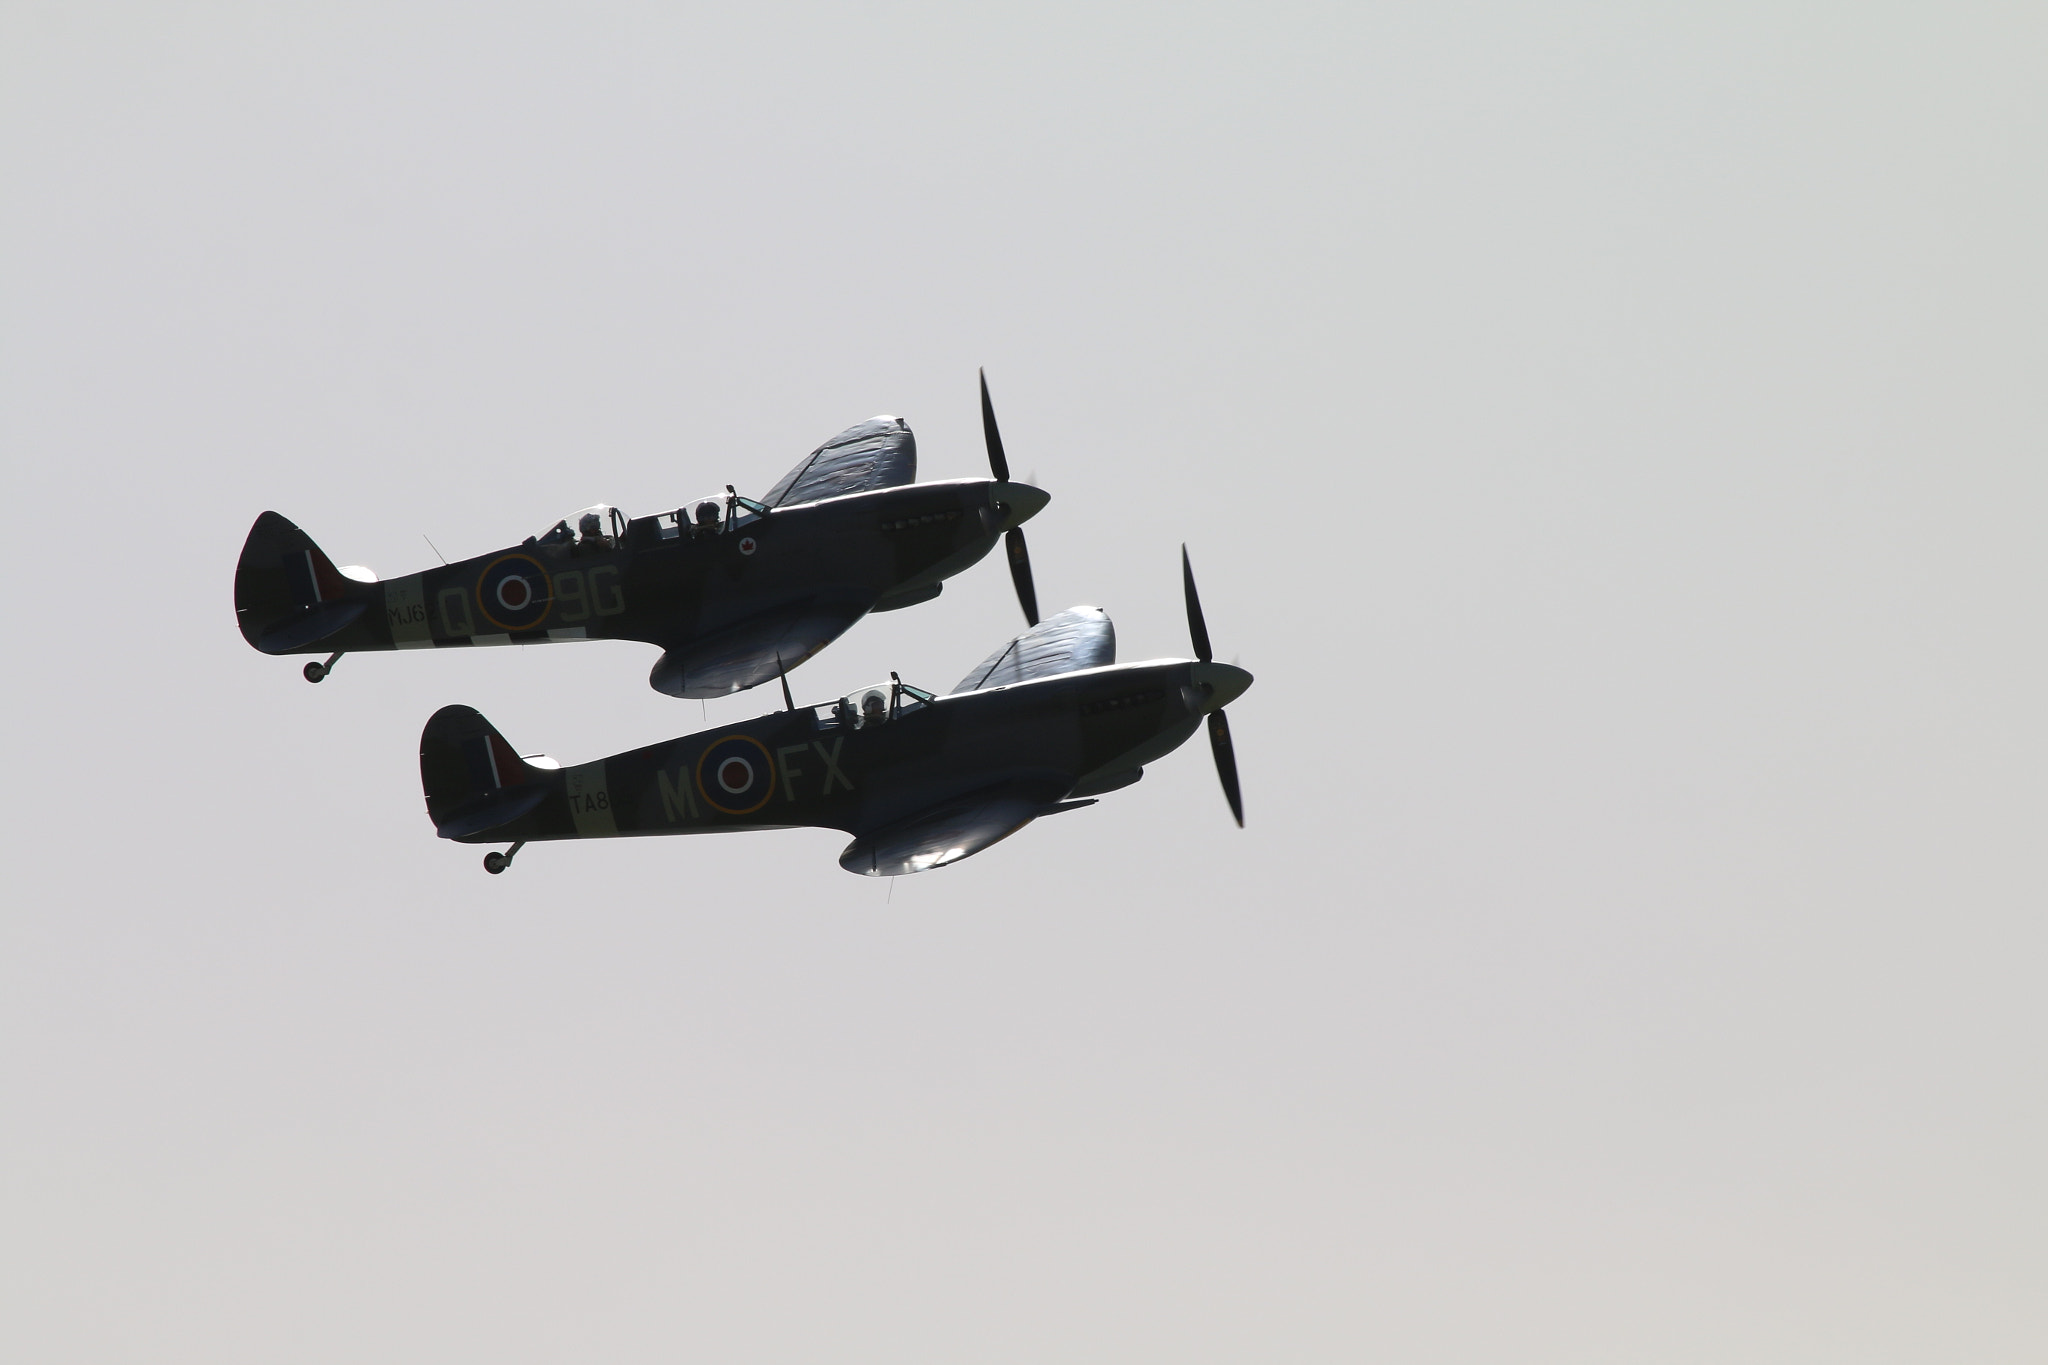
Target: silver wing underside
(955,829)
(753,651)
(1081,637)
(878,453)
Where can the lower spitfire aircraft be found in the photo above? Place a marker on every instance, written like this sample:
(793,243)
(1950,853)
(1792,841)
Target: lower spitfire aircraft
(741,593)
(1045,724)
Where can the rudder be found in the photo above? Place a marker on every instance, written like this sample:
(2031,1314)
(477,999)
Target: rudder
(288,593)
(473,778)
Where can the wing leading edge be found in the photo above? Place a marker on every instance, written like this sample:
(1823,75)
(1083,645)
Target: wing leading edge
(956,829)
(1081,637)
(877,453)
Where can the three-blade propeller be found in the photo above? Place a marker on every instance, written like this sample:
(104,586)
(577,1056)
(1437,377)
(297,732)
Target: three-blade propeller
(1219,728)
(1013,539)
(1198,629)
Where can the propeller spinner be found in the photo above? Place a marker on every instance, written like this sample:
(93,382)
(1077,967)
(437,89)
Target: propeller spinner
(1013,539)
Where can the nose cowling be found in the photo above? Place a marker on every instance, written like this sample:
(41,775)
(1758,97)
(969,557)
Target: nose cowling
(1218,684)
(1016,503)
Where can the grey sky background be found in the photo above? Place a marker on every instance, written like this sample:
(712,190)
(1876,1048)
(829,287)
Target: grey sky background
(1613,436)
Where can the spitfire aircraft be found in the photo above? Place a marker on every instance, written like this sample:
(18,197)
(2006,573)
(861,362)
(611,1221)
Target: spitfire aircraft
(733,591)
(1046,724)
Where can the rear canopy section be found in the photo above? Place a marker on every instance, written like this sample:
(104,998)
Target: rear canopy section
(878,453)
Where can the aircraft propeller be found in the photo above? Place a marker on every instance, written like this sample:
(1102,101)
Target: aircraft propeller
(1226,678)
(1013,539)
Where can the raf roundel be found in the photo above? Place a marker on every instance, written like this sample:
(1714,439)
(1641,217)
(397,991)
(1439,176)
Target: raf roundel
(735,775)
(514,593)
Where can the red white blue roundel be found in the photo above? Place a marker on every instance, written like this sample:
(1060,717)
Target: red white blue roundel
(735,775)
(514,593)
(748,545)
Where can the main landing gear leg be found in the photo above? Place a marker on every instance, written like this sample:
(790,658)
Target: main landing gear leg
(496,862)
(315,672)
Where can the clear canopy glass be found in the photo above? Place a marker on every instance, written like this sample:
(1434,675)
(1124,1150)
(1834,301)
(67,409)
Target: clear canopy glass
(715,515)
(599,525)
(876,705)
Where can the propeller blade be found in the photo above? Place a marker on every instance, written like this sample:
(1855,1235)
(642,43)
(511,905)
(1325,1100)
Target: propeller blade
(1020,573)
(1226,764)
(998,462)
(1198,629)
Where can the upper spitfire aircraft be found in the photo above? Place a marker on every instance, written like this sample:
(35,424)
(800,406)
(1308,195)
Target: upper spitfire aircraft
(739,592)
(1046,723)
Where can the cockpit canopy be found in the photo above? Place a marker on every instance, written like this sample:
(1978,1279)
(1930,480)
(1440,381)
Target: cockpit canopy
(870,706)
(877,453)
(713,516)
(599,526)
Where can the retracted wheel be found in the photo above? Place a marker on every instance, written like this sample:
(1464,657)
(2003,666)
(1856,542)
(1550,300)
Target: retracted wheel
(495,862)
(314,671)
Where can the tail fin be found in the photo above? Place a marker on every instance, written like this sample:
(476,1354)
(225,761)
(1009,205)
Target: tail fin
(288,594)
(474,780)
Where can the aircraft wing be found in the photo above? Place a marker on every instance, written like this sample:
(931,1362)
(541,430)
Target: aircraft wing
(753,651)
(957,828)
(1078,638)
(878,453)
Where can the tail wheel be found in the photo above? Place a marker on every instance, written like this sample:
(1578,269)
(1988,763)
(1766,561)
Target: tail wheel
(314,671)
(495,862)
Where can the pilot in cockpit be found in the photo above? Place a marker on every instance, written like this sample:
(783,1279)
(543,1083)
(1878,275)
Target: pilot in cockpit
(591,527)
(873,709)
(707,518)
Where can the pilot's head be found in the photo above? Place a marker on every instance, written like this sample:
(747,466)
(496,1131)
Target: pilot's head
(707,513)
(591,525)
(871,706)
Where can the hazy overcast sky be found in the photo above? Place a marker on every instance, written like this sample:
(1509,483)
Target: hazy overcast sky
(1612,434)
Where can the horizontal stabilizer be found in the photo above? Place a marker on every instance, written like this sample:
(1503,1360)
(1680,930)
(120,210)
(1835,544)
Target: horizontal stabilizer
(289,595)
(474,779)
(499,808)
(309,625)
